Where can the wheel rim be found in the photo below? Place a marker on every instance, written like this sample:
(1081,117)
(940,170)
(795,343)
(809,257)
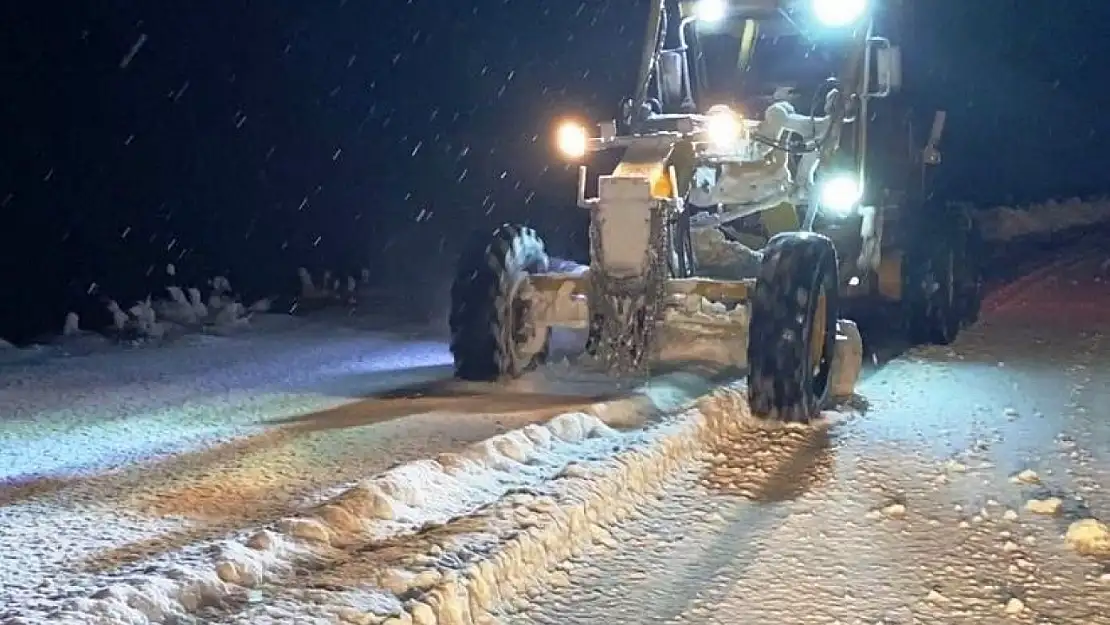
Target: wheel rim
(527,339)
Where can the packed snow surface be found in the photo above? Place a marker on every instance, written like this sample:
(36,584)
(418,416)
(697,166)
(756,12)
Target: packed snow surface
(314,472)
(149,484)
(972,490)
(117,456)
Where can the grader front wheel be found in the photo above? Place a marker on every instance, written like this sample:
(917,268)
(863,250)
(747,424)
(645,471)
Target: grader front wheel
(792,333)
(493,334)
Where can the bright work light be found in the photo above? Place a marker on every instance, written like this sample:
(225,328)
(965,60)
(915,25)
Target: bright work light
(723,127)
(840,194)
(711,11)
(838,13)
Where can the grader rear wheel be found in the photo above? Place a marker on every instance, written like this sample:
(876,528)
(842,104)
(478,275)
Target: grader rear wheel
(943,277)
(792,332)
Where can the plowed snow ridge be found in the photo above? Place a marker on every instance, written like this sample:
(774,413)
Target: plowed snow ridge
(397,503)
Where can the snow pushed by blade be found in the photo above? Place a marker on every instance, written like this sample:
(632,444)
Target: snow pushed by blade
(206,576)
(464,571)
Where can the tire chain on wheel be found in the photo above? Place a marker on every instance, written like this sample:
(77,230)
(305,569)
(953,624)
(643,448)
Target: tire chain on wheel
(627,312)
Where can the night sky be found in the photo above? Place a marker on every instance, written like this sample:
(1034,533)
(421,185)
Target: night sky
(247,138)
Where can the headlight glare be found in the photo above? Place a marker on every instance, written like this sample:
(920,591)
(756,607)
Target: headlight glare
(571,140)
(838,13)
(711,11)
(722,127)
(839,194)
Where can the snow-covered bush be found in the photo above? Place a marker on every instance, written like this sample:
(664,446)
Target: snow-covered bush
(184,310)
(179,309)
(72,325)
(120,320)
(261,306)
(146,320)
(331,290)
(220,285)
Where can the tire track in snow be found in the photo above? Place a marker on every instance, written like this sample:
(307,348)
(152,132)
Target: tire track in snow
(883,527)
(282,472)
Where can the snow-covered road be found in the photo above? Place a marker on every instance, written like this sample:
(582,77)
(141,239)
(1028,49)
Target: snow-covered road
(90,413)
(136,462)
(914,512)
(115,457)
(128,467)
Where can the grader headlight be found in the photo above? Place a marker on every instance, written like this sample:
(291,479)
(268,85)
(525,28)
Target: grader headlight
(711,11)
(839,194)
(723,127)
(572,140)
(838,13)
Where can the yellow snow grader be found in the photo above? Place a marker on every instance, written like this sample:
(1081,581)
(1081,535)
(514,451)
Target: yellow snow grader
(769,165)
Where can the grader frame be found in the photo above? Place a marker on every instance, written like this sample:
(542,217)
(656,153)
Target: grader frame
(643,270)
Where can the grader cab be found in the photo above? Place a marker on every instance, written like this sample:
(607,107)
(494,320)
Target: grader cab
(751,129)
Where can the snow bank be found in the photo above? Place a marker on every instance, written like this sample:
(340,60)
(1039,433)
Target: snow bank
(515,546)
(1005,223)
(390,508)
